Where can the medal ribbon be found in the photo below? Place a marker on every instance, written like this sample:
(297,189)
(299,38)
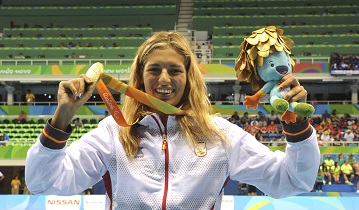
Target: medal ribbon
(116,85)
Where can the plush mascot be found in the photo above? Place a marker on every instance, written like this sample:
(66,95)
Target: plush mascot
(263,61)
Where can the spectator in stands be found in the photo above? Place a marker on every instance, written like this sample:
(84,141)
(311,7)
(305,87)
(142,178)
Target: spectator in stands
(343,66)
(334,116)
(343,123)
(336,132)
(4,137)
(71,45)
(336,172)
(21,118)
(329,161)
(328,124)
(242,96)
(319,182)
(257,134)
(350,122)
(337,142)
(252,190)
(282,141)
(274,142)
(245,118)
(261,116)
(247,127)
(320,128)
(316,121)
(356,131)
(262,121)
(325,115)
(273,117)
(166,68)
(12,24)
(29,97)
(62,44)
(234,121)
(348,173)
(352,160)
(20,56)
(114,44)
(340,159)
(235,116)
(264,128)
(324,169)
(255,126)
(348,136)
(73,55)
(254,120)
(272,128)
(78,125)
(325,139)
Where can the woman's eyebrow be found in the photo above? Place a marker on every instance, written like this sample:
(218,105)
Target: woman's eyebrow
(171,65)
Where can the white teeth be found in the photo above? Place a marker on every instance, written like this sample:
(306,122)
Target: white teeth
(164,91)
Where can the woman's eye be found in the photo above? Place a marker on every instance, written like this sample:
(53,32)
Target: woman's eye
(271,65)
(153,69)
(176,70)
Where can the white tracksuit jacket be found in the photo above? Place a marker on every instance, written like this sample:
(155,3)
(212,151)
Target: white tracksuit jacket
(174,178)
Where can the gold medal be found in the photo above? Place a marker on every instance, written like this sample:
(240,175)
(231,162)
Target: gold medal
(200,148)
(94,73)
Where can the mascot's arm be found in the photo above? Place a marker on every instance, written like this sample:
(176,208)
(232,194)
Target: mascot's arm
(253,101)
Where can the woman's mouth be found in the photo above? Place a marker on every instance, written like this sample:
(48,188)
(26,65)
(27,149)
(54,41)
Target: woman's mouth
(164,91)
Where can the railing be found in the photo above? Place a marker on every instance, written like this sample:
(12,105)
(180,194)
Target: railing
(51,103)
(31,62)
(302,59)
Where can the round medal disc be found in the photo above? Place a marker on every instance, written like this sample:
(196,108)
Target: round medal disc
(94,73)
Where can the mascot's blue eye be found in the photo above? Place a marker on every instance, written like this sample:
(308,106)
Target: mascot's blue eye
(271,65)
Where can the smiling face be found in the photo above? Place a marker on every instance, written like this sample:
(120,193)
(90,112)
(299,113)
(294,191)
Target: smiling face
(165,75)
(275,66)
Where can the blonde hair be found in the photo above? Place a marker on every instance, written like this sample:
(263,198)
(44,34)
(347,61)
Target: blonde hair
(197,123)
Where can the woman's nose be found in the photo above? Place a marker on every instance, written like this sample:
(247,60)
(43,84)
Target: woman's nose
(164,77)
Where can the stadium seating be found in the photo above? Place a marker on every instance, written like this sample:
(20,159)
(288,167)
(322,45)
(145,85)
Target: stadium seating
(50,25)
(316,29)
(114,31)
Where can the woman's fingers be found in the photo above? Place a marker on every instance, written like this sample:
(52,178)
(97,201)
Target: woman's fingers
(75,88)
(297,92)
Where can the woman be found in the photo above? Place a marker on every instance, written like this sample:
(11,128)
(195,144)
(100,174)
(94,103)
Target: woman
(15,185)
(336,172)
(340,159)
(324,169)
(153,164)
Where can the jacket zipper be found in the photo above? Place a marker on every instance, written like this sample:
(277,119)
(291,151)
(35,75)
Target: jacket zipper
(165,149)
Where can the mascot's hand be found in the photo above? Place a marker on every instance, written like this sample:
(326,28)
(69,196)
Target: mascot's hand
(252,102)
